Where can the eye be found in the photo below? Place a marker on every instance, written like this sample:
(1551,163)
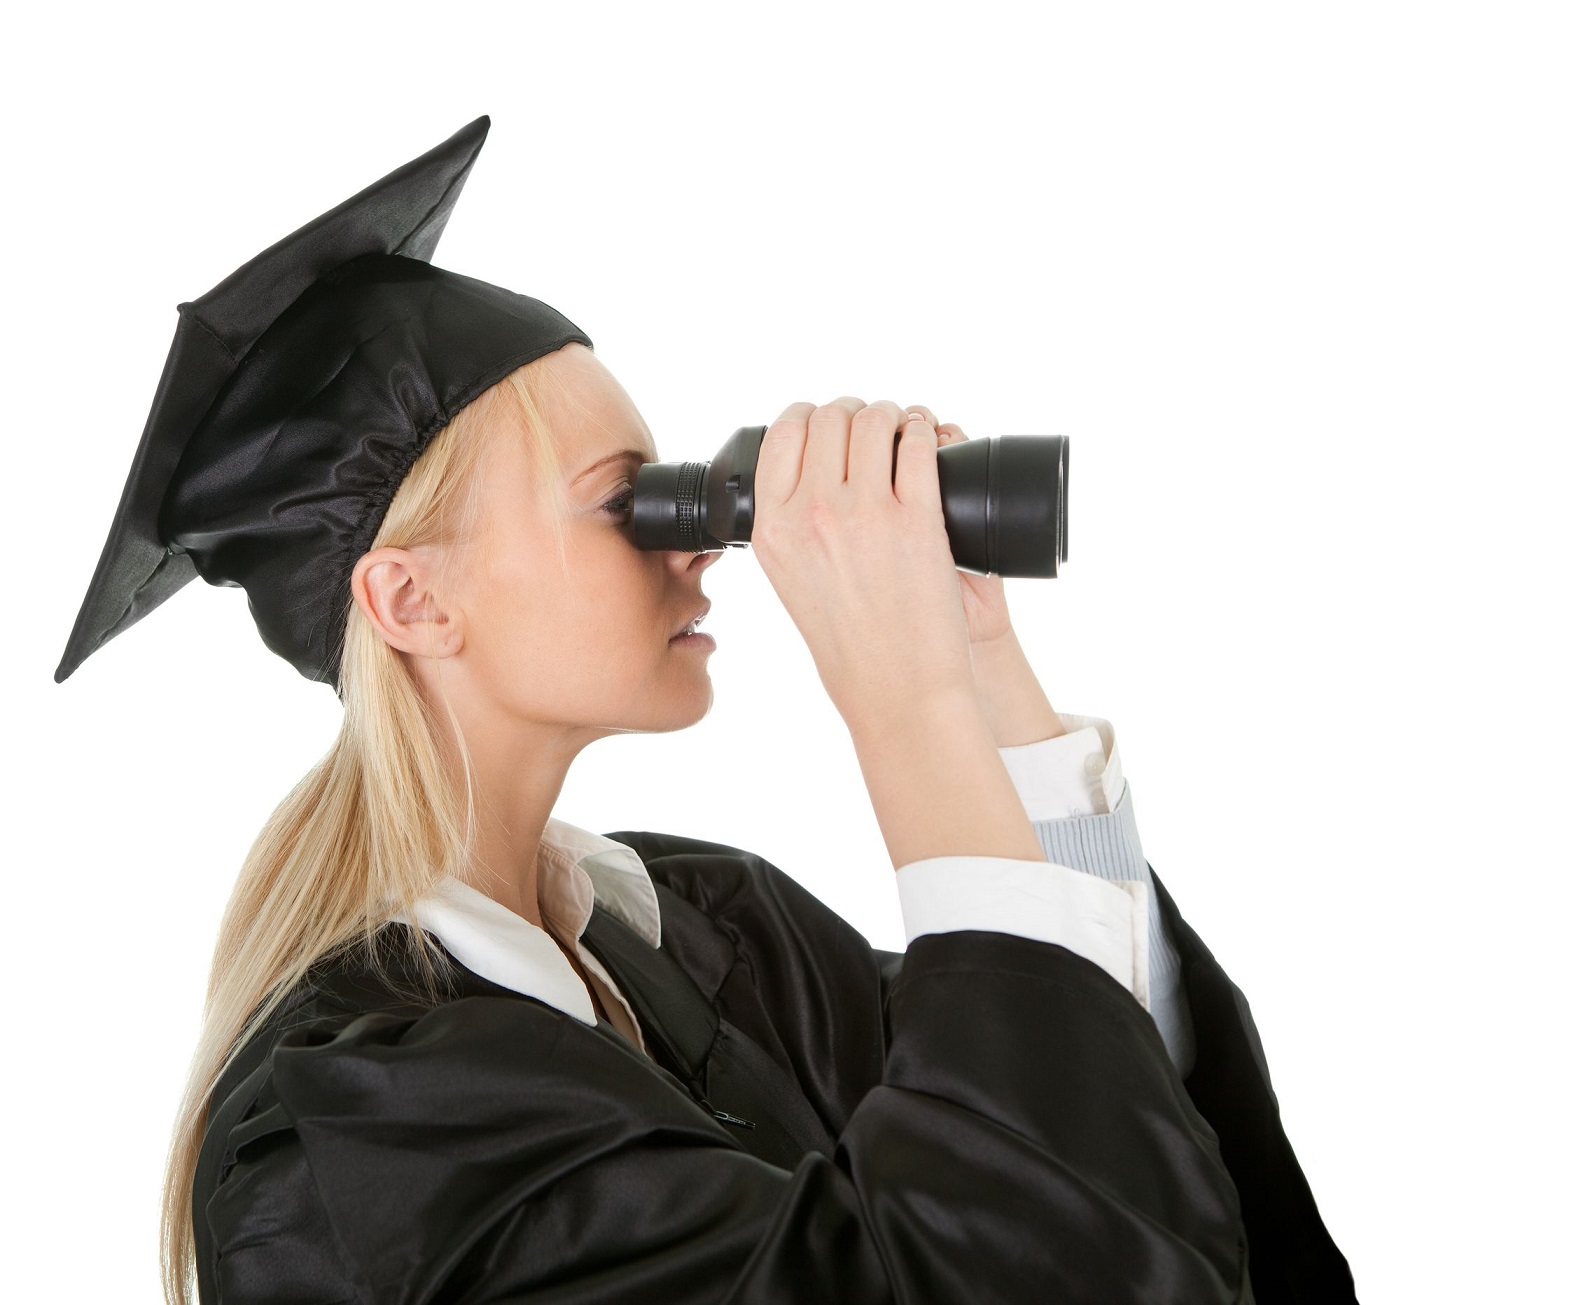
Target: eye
(621,505)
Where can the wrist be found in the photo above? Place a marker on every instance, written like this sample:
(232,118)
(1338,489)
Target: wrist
(1014,706)
(916,715)
(937,784)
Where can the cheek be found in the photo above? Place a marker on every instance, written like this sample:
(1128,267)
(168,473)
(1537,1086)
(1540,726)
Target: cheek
(602,614)
(516,611)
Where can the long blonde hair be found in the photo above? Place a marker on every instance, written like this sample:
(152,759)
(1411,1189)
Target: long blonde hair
(372,826)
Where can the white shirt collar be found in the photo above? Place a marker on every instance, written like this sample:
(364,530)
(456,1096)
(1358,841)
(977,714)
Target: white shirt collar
(576,868)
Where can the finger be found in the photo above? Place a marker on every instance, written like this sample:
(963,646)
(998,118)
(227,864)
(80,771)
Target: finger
(826,445)
(870,448)
(945,434)
(797,411)
(777,466)
(916,480)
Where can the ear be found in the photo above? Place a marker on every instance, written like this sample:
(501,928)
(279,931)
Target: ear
(394,589)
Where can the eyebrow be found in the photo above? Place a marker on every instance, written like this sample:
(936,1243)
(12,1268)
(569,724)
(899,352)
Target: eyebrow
(623,455)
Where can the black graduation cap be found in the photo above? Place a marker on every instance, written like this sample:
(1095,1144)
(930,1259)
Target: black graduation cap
(296,396)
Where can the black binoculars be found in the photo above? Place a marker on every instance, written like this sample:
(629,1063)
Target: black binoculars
(1004,500)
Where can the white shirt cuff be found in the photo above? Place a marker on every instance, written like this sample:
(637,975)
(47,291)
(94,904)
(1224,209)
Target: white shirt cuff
(1075,774)
(1104,921)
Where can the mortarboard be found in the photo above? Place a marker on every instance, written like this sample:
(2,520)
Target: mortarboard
(297,394)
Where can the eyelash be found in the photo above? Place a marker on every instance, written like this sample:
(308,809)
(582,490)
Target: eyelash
(626,498)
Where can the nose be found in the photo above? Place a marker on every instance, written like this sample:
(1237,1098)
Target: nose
(696,562)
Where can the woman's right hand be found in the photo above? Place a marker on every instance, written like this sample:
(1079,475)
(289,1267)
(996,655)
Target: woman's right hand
(861,558)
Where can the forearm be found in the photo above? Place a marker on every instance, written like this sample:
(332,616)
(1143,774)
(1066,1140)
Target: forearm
(1014,706)
(930,801)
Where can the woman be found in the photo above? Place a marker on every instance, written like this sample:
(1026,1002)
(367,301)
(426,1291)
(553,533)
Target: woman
(456,1049)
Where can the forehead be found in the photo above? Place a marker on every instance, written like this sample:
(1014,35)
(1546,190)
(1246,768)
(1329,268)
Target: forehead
(589,412)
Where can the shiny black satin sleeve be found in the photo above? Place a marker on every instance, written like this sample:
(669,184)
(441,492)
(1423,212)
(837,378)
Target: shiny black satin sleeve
(496,1150)
(808,986)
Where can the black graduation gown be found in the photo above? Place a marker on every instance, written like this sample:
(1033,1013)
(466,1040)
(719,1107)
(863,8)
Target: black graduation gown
(980,1118)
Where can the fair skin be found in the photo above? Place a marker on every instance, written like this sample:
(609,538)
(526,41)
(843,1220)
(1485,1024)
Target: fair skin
(538,663)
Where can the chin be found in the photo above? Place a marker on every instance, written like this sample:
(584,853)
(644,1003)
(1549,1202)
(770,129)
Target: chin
(692,712)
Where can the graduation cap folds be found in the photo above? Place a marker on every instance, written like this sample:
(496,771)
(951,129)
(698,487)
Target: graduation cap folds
(296,396)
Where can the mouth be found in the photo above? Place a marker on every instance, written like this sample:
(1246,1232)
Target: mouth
(691,625)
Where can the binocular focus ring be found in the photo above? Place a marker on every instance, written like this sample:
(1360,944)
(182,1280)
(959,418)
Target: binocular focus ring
(686,522)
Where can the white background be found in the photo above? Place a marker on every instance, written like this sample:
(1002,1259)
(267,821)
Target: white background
(1296,281)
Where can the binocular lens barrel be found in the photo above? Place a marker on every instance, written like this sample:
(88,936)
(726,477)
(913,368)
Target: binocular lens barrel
(1004,501)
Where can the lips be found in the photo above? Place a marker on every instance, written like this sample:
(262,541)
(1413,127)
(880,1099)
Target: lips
(694,616)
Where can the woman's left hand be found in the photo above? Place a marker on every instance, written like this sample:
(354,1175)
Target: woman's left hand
(984,598)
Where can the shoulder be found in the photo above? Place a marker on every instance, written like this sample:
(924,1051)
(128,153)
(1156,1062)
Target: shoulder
(349,1004)
(716,877)
(726,908)
(350,1127)
(740,893)
(780,966)
(361,985)
(705,873)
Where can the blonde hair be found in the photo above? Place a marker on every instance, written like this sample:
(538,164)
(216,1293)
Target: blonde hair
(377,822)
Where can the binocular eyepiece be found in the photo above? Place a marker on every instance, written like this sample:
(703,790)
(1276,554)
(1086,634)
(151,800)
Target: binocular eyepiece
(1004,500)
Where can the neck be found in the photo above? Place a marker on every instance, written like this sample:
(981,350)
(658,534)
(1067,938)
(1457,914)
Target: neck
(518,775)
(518,770)
(513,804)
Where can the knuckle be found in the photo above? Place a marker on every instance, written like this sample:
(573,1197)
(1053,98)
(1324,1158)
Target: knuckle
(763,537)
(793,414)
(820,514)
(843,407)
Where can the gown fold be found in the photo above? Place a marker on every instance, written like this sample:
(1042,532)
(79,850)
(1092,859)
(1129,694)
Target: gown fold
(983,1117)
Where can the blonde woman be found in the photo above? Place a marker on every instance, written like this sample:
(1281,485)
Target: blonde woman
(456,1049)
